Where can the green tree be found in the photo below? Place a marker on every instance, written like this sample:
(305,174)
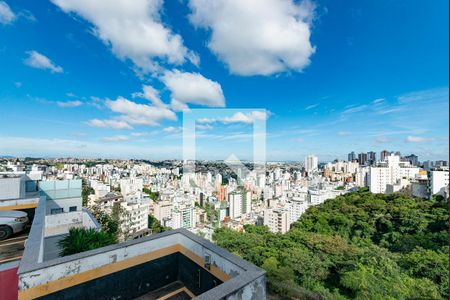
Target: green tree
(86,191)
(110,223)
(153,195)
(82,239)
(154,225)
(356,246)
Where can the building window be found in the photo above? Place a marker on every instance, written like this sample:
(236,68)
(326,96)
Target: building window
(55,211)
(73,208)
(30,186)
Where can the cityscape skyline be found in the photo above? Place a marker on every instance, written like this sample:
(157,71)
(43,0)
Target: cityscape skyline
(224,149)
(84,88)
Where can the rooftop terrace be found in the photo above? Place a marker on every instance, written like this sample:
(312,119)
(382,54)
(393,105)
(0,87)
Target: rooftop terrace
(175,263)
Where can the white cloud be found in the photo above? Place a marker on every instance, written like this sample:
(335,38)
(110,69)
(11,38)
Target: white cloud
(381,140)
(116,138)
(74,103)
(178,106)
(171,129)
(6,14)
(139,114)
(115,124)
(255,38)
(40,61)
(238,117)
(20,146)
(133,29)
(138,134)
(355,109)
(151,94)
(426,96)
(344,133)
(203,126)
(248,118)
(418,139)
(378,101)
(193,88)
(311,106)
(388,110)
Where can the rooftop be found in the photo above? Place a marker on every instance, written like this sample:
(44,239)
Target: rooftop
(167,264)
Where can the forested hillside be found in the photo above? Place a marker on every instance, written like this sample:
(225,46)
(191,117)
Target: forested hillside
(357,246)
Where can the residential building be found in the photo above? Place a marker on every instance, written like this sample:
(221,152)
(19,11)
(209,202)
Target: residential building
(371,158)
(277,219)
(298,205)
(183,217)
(439,181)
(384,154)
(352,156)
(419,188)
(413,159)
(132,210)
(131,185)
(240,203)
(362,159)
(311,163)
(391,171)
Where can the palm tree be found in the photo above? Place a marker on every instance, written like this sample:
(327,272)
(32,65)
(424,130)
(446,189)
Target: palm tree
(82,239)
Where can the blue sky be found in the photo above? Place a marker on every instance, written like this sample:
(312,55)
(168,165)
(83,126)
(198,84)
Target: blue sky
(113,78)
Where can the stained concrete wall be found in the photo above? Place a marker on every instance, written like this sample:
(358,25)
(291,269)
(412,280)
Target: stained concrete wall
(32,275)
(61,223)
(245,279)
(141,279)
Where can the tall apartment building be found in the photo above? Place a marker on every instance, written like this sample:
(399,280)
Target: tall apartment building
(371,158)
(351,156)
(413,159)
(133,213)
(391,172)
(362,159)
(240,203)
(311,163)
(384,154)
(131,185)
(298,205)
(277,219)
(162,210)
(362,176)
(183,217)
(439,182)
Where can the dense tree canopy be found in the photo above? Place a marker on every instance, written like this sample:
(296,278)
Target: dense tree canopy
(357,246)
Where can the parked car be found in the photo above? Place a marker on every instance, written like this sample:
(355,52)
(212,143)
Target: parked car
(12,221)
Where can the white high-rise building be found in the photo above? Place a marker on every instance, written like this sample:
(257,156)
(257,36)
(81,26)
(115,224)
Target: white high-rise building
(379,178)
(131,185)
(162,210)
(183,217)
(299,205)
(311,163)
(240,203)
(133,213)
(278,220)
(391,172)
(362,176)
(439,180)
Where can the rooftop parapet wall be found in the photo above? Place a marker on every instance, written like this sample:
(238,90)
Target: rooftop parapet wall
(60,189)
(51,276)
(23,203)
(61,223)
